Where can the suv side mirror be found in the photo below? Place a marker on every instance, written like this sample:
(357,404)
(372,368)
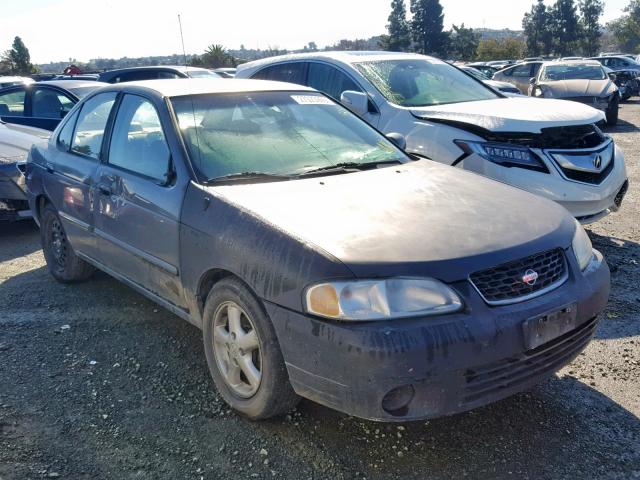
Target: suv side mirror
(532,81)
(357,102)
(613,77)
(397,139)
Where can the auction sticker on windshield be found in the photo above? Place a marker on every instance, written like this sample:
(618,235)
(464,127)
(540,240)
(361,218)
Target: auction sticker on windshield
(312,100)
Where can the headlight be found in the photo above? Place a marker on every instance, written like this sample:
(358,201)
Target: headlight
(506,155)
(362,300)
(582,248)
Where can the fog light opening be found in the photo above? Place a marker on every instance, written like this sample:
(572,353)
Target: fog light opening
(396,401)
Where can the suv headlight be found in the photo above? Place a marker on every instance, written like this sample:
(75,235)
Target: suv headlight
(503,154)
(582,248)
(362,300)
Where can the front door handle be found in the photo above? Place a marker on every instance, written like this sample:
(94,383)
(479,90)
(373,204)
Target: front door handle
(49,168)
(104,189)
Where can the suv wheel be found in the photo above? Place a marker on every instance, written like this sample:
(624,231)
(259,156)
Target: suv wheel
(243,353)
(63,263)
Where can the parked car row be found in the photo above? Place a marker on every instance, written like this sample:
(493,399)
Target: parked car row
(306,217)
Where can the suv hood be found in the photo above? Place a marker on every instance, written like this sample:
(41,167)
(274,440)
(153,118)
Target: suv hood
(578,88)
(513,114)
(420,218)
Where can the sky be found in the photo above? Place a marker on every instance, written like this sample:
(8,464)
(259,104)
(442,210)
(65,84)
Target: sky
(57,30)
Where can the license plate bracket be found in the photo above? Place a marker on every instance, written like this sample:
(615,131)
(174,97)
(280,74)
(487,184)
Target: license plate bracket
(543,328)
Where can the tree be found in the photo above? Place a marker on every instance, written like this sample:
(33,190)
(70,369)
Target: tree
(507,48)
(463,43)
(536,26)
(427,27)
(399,38)
(626,29)
(215,56)
(18,59)
(565,27)
(590,13)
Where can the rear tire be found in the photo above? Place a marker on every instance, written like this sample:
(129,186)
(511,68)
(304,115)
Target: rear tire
(612,111)
(239,337)
(62,261)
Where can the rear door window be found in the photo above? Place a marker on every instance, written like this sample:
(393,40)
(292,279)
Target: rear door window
(138,143)
(91,125)
(48,103)
(522,71)
(12,103)
(330,80)
(284,72)
(66,134)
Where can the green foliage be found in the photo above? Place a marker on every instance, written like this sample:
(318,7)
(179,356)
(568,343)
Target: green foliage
(216,56)
(565,27)
(427,27)
(503,49)
(590,13)
(626,29)
(463,43)
(399,38)
(537,29)
(17,61)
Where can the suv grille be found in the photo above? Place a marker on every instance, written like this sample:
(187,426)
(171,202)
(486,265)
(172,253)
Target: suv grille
(505,283)
(594,178)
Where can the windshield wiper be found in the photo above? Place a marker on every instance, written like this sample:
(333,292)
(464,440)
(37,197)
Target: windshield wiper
(349,166)
(247,177)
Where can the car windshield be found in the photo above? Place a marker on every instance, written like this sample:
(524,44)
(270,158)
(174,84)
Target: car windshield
(276,133)
(81,92)
(572,72)
(423,82)
(476,73)
(202,74)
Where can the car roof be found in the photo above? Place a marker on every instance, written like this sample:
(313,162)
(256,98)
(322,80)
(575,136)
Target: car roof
(347,57)
(181,68)
(197,86)
(69,84)
(573,62)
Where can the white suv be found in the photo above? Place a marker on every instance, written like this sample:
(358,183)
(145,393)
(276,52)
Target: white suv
(553,148)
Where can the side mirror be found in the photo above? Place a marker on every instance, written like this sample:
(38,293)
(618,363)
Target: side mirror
(532,81)
(357,102)
(613,77)
(398,140)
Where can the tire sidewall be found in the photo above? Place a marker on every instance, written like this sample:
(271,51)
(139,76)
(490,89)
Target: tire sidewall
(49,215)
(271,360)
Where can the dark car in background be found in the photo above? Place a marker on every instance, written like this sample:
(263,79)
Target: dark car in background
(617,62)
(42,104)
(584,81)
(15,143)
(162,72)
(318,258)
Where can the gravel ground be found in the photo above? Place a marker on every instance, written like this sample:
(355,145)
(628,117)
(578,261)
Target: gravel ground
(96,382)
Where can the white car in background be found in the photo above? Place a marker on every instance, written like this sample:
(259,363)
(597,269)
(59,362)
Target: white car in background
(552,148)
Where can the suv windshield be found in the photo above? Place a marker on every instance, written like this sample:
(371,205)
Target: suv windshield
(423,82)
(276,133)
(572,72)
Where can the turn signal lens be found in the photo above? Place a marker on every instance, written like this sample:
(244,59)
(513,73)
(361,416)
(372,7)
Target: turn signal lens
(323,300)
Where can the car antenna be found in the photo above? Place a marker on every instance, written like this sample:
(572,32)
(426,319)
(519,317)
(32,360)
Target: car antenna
(184,52)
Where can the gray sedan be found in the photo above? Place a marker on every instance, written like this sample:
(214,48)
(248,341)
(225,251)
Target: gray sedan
(317,257)
(583,81)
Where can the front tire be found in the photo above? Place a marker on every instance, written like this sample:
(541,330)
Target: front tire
(62,261)
(612,111)
(243,353)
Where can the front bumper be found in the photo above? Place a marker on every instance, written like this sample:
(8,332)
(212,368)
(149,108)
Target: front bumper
(13,200)
(452,363)
(583,200)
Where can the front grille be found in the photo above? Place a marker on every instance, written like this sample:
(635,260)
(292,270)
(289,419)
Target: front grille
(588,100)
(594,178)
(489,381)
(504,283)
(567,137)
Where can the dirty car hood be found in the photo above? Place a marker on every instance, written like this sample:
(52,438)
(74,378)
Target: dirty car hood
(420,218)
(578,88)
(514,114)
